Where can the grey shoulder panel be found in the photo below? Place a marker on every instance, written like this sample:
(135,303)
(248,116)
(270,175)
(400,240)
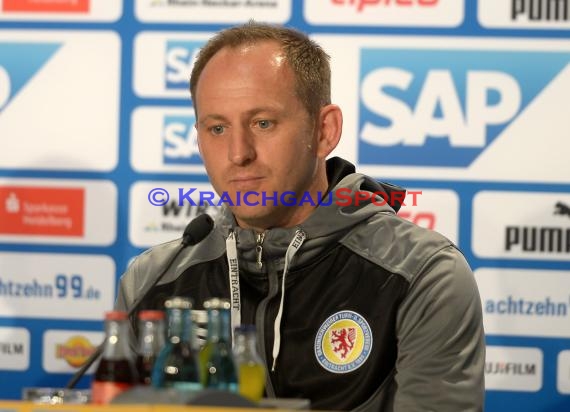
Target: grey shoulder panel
(441,339)
(439,326)
(151,263)
(395,244)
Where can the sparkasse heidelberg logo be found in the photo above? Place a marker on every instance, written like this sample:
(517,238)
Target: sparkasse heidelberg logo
(26,210)
(444,108)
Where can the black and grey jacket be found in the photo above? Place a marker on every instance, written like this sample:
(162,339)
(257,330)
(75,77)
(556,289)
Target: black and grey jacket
(376,314)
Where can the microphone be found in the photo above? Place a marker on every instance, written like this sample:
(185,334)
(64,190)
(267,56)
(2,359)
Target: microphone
(197,229)
(194,233)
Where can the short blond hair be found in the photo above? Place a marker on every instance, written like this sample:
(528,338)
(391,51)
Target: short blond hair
(309,62)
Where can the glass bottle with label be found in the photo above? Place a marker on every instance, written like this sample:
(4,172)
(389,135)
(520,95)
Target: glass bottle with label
(116,371)
(218,368)
(152,338)
(250,366)
(177,363)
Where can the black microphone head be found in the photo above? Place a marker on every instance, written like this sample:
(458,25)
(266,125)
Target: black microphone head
(197,229)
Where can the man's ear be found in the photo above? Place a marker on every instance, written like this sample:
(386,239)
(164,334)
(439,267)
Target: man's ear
(197,140)
(329,129)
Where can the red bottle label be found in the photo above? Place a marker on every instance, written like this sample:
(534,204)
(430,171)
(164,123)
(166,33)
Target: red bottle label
(103,392)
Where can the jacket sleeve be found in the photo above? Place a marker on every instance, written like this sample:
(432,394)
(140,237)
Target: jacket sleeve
(128,289)
(441,341)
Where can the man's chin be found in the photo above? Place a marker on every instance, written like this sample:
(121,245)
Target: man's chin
(255,217)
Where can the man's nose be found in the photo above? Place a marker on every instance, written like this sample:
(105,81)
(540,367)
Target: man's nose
(241,150)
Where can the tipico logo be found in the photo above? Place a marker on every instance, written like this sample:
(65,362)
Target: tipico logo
(180,57)
(19,62)
(180,141)
(444,108)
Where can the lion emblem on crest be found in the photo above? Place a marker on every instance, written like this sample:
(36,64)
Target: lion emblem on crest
(342,341)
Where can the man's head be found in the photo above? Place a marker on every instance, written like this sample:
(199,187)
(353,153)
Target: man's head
(264,121)
(309,62)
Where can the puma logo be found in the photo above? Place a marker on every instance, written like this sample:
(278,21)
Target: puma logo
(561,209)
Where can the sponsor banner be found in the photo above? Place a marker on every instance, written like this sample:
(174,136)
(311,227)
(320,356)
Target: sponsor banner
(532,225)
(64,212)
(61,10)
(434,209)
(54,76)
(160,211)
(57,286)
(65,351)
(163,139)
(453,108)
(70,6)
(421,13)
(212,11)
(14,349)
(563,372)
(513,369)
(525,302)
(524,14)
(42,211)
(163,62)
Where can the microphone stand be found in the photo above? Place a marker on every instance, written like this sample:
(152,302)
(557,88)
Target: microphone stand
(203,224)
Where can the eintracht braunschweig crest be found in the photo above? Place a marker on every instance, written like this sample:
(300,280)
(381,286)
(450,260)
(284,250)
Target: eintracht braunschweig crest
(343,342)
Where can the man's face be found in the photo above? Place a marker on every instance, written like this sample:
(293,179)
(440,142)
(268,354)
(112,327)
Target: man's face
(255,134)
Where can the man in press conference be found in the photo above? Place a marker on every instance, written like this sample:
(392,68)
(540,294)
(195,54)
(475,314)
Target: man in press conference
(355,307)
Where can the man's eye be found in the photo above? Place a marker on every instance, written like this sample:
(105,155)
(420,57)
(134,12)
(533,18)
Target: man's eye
(218,129)
(264,124)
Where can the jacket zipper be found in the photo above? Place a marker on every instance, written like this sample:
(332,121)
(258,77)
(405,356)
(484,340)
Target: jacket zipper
(261,309)
(259,249)
(260,322)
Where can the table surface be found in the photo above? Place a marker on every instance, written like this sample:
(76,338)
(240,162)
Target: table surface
(23,406)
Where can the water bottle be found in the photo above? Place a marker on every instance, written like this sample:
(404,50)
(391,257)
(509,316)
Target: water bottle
(152,338)
(177,363)
(218,368)
(116,371)
(250,366)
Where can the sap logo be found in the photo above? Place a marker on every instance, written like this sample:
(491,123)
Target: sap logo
(19,62)
(4,87)
(180,140)
(180,57)
(443,108)
(412,126)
